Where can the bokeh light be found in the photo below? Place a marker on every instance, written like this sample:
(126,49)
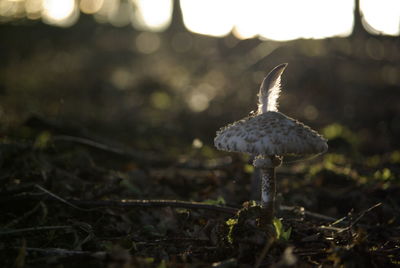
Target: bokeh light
(106,10)
(209,17)
(90,6)
(268,19)
(60,12)
(198,98)
(147,43)
(121,13)
(154,15)
(11,9)
(197,101)
(121,78)
(33,9)
(247,18)
(383,16)
(288,19)
(160,100)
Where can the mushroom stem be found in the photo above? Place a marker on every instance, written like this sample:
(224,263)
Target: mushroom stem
(268,190)
(267,165)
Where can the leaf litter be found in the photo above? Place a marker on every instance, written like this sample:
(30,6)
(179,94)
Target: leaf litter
(79,202)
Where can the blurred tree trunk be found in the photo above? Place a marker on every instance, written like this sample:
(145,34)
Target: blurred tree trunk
(359,31)
(177,24)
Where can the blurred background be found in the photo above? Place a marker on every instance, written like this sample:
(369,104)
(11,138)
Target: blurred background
(164,75)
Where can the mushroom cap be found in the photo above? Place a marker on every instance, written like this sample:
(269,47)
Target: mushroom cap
(270,133)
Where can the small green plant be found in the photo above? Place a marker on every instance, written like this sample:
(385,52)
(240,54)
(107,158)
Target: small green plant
(245,223)
(280,232)
(231,224)
(336,130)
(42,140)
(219,201)
(384,174)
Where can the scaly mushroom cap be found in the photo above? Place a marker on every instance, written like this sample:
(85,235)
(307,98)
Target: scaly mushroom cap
(270,133)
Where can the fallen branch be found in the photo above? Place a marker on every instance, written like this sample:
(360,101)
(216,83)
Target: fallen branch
(17,189)
(352,223)
(32,229)
(91,205)
(58,198)
(310,214)
(362,214)
(147,157)
(23,217)
(264,252)
(142,157)
(152,203)
(61,252)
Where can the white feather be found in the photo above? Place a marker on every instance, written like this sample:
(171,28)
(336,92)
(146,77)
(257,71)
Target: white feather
(270,90)
(268,101)
(273,95)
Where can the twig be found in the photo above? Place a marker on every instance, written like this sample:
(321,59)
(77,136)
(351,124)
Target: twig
(143,157)
(147,157)
(154,203)
(308,213)
(61,252)
(362,214)
(264,252)
(39,228)
(308,252)
(332,228)
(318,216)
(342,219)
(57,251)
(24,216)
(58,198)
(175,240)
(94,144)
(17,189)
(98,204)
(340,230)
(94,205)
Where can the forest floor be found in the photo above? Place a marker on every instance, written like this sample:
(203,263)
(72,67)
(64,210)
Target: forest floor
(70,201)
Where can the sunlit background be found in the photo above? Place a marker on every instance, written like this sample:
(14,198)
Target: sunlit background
(277,20)
(183,68)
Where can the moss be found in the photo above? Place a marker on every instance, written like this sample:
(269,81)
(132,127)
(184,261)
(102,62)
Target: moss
(250,224)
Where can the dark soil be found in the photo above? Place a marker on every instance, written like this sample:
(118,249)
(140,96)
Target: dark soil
(66,203)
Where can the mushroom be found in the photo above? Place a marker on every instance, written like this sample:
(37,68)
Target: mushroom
(269,135)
